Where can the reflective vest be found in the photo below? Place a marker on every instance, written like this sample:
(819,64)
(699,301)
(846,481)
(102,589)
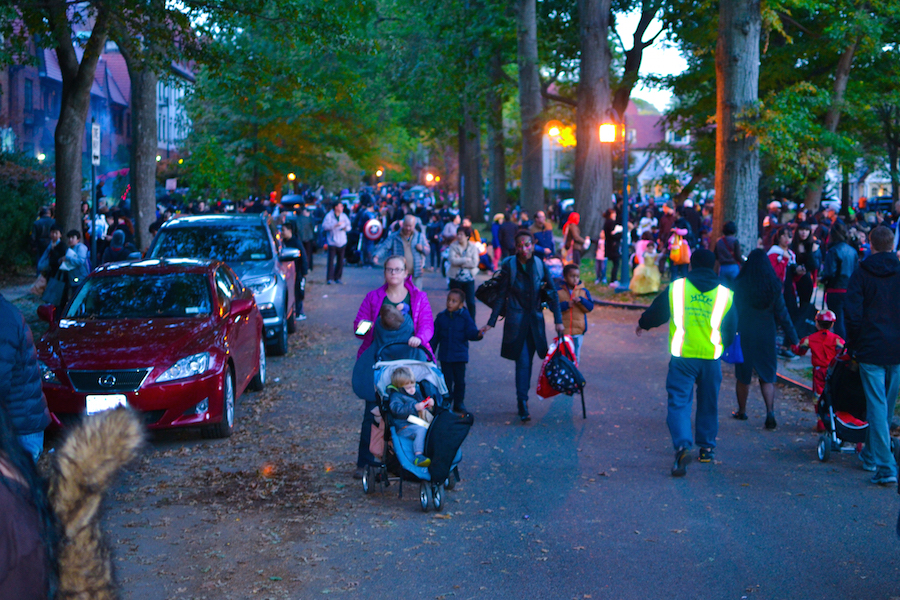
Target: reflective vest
(695,326)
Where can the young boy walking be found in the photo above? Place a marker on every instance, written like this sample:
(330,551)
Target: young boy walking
(575,303)
(453,329)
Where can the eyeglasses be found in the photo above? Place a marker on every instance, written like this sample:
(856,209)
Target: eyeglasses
(394,270)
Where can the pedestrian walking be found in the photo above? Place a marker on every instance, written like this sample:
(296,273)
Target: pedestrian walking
(454,328)
(507,233)
(840,263)
(612,233)
(417,328)
(526,279)
(20,380)
(873,328)
(573,240)
(410,242)
(306,231)
(542,230)
(290,240)
(728,254)
(701,325)
(463,255)
(495,237)
(336,226)
(759,302)
(575,303)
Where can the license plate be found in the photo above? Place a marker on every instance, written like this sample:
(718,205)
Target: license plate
(99,403)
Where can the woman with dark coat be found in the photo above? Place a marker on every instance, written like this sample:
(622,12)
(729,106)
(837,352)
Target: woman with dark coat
(759,301)
(806,249)
(523,327)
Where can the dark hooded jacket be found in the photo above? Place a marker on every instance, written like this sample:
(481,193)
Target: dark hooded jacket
(702,279)
(20,377)
(520,295)
(871,316)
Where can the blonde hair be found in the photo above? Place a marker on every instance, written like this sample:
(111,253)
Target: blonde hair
(402,376)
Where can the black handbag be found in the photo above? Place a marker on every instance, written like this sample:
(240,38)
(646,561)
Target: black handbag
(489,292)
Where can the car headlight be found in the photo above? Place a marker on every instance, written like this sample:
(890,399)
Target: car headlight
(186,367)
(47,374)
(261,286)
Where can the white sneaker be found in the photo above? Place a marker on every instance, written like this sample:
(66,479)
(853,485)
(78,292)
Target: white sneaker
(300,317)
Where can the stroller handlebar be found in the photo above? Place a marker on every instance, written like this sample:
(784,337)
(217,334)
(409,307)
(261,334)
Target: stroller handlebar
(423,348)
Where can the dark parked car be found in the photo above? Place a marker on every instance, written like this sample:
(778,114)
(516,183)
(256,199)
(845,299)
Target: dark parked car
(178,340)
(249,247)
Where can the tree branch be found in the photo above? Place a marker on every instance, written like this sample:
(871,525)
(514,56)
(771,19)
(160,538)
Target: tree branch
(558,98)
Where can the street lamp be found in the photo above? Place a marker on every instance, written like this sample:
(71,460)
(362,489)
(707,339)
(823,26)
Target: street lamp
(291,176)
(429,177)
(608,135)
(42,157)
(379,173)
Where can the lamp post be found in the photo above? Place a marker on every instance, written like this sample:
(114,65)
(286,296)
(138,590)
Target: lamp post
(608,135)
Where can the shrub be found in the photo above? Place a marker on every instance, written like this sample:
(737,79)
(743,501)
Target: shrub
(23,190)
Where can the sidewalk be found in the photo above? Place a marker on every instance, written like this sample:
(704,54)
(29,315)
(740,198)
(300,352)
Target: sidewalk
(15,292)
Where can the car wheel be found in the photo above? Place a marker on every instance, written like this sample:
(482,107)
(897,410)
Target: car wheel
(224,429)
(259,381)
(291,322)
(279,348)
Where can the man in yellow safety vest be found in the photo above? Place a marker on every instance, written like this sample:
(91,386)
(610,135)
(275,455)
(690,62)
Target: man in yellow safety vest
(701,326)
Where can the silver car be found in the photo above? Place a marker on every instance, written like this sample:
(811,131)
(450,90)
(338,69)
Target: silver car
(255,254)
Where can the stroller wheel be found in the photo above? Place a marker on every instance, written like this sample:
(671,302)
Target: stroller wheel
(426,496)
(823,450)
(368,479)
(438,494)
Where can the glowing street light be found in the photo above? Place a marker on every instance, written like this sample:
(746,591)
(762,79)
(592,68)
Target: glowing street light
(429,177)
(554,132)
(158,158)
(291,176)
(379,173)
(437,178)
(42,156)
(608,135)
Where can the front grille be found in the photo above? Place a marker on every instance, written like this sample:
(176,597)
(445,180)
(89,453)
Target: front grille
(101,382)
(268,313)
(150,417)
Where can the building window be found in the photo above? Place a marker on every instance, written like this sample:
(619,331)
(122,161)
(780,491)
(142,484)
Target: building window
(29,96)
(674,137)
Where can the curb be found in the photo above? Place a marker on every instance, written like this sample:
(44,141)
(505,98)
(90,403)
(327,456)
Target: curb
(793,383)
(625,305)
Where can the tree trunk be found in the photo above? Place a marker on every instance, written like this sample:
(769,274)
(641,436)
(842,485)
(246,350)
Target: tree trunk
(496,148)
(75,103)
(593,159)
(737,89)
(832,117)
(530,107)
(143,155)
(846,200)
(470,188)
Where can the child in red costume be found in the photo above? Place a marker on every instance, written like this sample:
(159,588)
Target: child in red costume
(825,345)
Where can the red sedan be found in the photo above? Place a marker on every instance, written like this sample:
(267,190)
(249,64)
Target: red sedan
(176,339)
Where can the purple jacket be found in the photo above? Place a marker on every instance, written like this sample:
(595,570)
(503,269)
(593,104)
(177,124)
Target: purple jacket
(422,317)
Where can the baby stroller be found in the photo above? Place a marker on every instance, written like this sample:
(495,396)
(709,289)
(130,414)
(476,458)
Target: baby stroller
(842,408)
(445,435)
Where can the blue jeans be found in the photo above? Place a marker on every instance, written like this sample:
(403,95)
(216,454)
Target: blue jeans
(880,383)
(416,433)
(523,374)
(600,267)
(684,373)
(33,444)
(727,275)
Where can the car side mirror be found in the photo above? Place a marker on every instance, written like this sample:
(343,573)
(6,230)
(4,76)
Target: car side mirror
(289,254)
(47,313)
(242,306)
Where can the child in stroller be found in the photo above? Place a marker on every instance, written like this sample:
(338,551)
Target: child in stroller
(407,407)
(442,441)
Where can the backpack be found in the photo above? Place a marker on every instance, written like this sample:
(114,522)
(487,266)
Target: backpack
(680,252)
(489,292)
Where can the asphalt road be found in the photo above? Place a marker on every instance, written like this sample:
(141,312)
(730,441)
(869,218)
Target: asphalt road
(561,507)
(565,507)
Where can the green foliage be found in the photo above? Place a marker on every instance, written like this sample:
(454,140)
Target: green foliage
(23,190)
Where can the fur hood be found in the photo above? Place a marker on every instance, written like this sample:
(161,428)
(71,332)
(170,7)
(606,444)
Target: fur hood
(83,470)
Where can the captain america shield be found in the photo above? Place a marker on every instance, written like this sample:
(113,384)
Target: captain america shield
(373,229)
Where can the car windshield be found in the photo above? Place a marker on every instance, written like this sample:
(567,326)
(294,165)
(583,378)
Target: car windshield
(235,243)
(173,295)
